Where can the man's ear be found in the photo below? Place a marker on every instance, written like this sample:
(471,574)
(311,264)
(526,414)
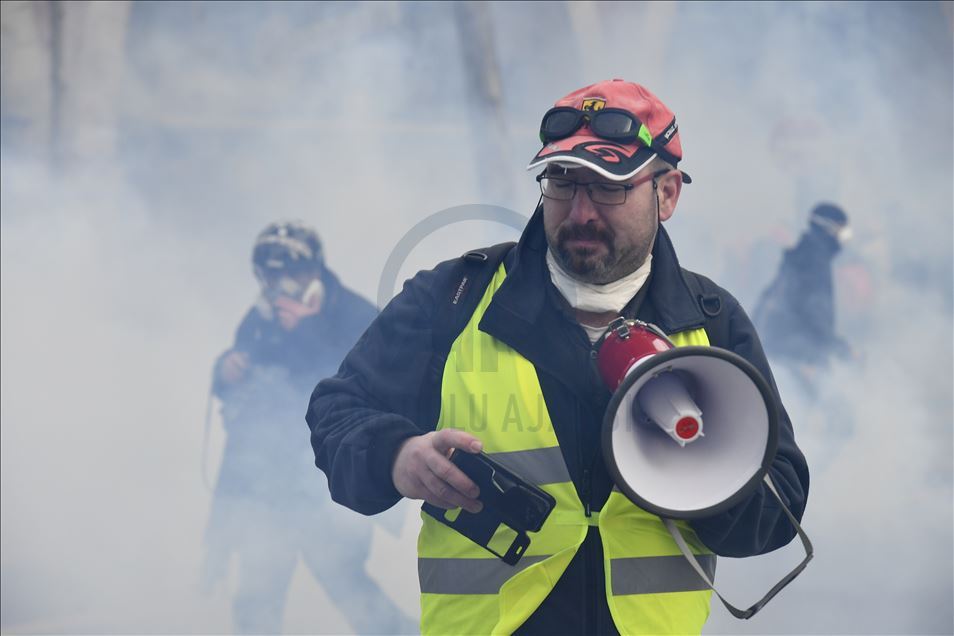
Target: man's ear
(670,185)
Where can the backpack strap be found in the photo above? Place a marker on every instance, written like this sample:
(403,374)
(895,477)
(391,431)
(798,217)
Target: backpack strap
(474,272)
(712,306)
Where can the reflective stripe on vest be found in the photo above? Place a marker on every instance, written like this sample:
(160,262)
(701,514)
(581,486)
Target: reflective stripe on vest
(657,575)
(492,392)
(637,575)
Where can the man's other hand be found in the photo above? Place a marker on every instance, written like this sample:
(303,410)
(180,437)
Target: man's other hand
(422,470)
(290,311)
(233,366)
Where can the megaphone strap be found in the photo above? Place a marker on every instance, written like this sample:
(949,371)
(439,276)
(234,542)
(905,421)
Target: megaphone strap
(752,611)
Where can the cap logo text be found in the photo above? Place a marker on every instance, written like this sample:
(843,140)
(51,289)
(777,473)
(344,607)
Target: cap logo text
(593,103)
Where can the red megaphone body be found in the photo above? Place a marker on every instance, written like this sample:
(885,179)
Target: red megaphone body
(664,400)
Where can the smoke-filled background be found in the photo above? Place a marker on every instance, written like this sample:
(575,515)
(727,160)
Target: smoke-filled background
(145,144)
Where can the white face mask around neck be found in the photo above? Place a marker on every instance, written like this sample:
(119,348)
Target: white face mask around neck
(598,298)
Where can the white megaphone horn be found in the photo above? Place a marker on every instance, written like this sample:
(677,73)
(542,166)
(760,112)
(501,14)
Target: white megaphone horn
(689,432)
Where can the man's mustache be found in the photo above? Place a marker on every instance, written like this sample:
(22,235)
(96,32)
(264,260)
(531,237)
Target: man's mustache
(586,232)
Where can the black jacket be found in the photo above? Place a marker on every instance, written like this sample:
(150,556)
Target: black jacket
(388,389)
(796,313)
(264,454)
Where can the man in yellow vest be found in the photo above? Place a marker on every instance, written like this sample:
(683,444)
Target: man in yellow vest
(500,363)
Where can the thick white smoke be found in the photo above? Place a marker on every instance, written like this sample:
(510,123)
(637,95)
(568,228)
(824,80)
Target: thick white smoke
(125,265)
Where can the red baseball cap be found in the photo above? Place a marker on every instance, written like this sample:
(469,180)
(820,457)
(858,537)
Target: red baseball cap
(655,128)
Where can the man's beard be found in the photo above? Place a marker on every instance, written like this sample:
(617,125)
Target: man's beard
(586,264)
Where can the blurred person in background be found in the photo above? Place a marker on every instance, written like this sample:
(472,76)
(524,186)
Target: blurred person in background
(795,314)
(267,507)
(411,391)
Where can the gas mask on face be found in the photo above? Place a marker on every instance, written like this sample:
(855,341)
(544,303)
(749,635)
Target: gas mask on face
(310,293)
(833,220)
(287,261)
(840,232)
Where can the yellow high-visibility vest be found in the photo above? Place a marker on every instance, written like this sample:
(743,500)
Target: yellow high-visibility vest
(491,391)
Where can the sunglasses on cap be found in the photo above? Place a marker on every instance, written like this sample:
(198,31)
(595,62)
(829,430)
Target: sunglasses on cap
(612,124)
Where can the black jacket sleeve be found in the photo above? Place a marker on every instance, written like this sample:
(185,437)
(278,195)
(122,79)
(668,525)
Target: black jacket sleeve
(758,525)
(383,393)
(244,341)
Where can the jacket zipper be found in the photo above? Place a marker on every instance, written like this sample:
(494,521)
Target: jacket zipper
(592,593)
(591,612)
(587,493)
(592,562)
(593,554)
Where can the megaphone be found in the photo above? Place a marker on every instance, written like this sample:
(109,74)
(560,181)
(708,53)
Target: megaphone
(689,432)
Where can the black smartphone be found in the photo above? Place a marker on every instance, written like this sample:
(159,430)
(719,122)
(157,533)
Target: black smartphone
(509,500)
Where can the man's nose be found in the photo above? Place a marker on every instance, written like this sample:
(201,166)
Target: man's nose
(582,208)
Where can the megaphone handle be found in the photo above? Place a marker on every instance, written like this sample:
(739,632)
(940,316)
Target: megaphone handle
(752,611)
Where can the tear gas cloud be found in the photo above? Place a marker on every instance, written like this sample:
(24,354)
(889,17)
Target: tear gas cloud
(127,226)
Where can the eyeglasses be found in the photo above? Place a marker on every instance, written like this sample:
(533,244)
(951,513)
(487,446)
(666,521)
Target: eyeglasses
(612,124)
(601,192)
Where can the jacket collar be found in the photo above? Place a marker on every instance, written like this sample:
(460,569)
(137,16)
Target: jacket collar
(669,295)
(522,295)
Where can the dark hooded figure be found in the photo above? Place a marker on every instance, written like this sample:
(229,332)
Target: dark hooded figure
(796,314)
(268,510)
